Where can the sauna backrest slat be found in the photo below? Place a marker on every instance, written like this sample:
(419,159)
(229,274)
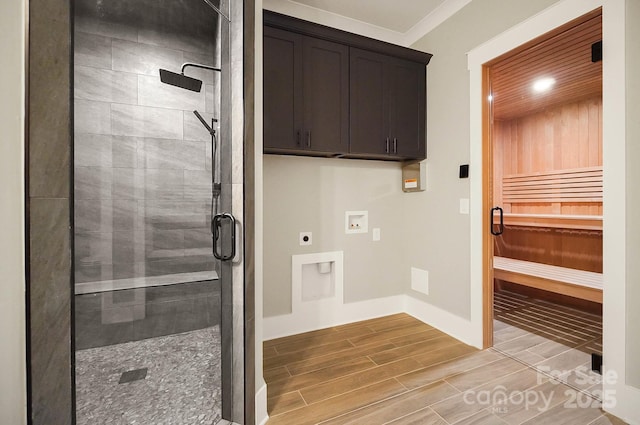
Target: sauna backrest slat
(573,185)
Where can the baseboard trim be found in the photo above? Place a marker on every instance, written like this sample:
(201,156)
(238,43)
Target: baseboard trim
(261,405)
(316,318)
(310,320)
(456,326)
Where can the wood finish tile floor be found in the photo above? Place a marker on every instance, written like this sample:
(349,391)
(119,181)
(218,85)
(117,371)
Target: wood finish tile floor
(568,326)
(398,370)
(550,337)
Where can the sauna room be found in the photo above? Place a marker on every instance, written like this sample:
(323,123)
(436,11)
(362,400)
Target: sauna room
(546,155)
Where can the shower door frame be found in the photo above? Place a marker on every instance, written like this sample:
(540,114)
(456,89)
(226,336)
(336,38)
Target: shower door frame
(49,214)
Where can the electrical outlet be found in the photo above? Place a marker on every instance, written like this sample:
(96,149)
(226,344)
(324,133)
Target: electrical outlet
(305,238)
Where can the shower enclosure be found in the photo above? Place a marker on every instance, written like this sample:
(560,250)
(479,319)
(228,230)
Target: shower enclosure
(153,234)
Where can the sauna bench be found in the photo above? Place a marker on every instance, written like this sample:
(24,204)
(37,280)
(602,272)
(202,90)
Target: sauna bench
(562,280)
(556,221)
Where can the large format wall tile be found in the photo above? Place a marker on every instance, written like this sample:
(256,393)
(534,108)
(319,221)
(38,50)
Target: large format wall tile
(49,147)
(92,50)
(91,117)
(108,29)
(94,272)
(93,215)
(160,244)
(144,59)
(124,151)
(105,85)
(125,184)
(93,248)
(178,41)
(133,151)
(93,183)
(130,120)
(152,92)
(161,184)
(105,215)
(193,128)
(173,214)
(93,150)
(212,99)
(171,154)
(50,308)
(205,75)
(198,241)
(197,185)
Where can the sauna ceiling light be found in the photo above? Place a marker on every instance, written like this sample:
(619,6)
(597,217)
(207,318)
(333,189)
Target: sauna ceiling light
(543,84)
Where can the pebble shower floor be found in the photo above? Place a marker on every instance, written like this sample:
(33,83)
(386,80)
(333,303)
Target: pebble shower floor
(181,386)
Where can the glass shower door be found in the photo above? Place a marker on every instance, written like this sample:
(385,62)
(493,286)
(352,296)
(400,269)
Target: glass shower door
(147,184)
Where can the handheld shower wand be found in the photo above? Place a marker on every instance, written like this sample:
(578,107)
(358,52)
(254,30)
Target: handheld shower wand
(210,129)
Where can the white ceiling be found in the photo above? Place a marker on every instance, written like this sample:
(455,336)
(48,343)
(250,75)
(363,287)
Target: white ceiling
(401,22)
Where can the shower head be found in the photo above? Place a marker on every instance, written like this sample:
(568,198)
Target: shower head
(180,80)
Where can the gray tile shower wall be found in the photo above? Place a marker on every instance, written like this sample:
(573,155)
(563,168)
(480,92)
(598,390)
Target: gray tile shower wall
(49,253)
(142,159)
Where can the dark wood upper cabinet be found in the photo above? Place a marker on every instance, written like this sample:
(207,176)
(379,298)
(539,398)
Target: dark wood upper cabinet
(369,103)
(387,106)
(407,109)
(282,89)
(325,75)
(306,98)
(332,93)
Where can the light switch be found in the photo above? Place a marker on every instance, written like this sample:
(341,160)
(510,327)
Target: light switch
(464,205)
(376,234)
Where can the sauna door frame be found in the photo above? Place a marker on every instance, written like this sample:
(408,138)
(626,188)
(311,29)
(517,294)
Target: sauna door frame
(616,254)
(488,239)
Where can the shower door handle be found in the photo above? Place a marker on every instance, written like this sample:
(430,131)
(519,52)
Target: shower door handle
(500,225)
(216,230)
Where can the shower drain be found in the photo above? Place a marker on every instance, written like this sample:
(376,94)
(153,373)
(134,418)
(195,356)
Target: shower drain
(133,375)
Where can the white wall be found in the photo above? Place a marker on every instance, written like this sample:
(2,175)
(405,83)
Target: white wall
(438,235)
(426,229)
(12,279)
(312,194)
(633,192)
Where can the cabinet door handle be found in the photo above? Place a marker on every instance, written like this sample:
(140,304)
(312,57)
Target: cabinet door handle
(386,149)
(395,145)
(298,138)
(309,138)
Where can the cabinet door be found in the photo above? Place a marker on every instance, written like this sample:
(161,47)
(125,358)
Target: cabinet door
(369,104)
(325,96)
(407,108)
(282,89)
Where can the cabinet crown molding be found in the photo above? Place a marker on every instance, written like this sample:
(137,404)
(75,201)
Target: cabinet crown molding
(289,23)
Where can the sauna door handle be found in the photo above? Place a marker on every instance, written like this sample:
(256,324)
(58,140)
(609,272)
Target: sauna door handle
(216,230)
(500,225)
